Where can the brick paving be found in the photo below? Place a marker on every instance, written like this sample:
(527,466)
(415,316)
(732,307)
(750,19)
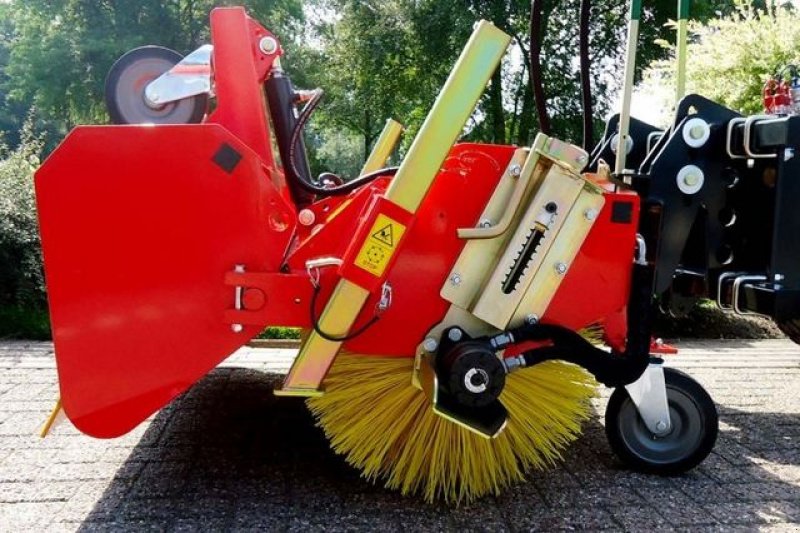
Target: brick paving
(228,455)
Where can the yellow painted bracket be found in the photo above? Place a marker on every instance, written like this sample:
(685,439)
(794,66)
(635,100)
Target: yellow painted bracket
(384,147)
(442,127)
(56,415)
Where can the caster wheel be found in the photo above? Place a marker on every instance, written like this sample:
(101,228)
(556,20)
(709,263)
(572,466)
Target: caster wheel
(694,428)
(125,90)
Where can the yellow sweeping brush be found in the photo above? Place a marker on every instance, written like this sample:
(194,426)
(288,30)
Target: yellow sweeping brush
(385,427)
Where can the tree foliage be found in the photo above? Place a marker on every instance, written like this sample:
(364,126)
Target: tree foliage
(21,277)
(730,57)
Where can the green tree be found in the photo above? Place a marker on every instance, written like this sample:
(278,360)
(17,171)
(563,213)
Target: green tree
(62,49)
(21,278)
(730,57)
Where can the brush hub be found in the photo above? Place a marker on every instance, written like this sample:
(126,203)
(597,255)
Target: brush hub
(472,373)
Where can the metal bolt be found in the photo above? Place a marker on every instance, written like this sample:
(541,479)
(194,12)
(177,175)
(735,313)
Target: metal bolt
(237,328)
(268,45)
(661,425)
(561,268)
(306,217)
(455,279)
(691,179)
(590,214)
(455,334)
(531,319)
(696,132)
(515,170)
(485,223)
(430,344)
(582,159)
(779,277)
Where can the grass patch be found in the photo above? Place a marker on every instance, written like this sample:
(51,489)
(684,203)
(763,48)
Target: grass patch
(29,324)
(279,333)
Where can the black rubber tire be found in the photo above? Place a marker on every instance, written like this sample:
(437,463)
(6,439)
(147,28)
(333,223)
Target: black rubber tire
(694,432)
(791,328)
(127,79)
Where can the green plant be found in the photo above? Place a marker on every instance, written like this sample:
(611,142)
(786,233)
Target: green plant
(20,323)
(279,333)
(21,275)
(730,57)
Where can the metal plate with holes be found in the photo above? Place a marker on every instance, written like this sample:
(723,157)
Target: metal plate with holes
(565,247)
(524,255)
(466,278)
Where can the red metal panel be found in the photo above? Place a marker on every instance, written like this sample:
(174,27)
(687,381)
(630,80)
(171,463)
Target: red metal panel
(240,69)
(455,200)
(139,227)
(596,288)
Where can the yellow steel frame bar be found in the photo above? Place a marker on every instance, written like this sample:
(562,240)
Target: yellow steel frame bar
(384,147)
(441,129)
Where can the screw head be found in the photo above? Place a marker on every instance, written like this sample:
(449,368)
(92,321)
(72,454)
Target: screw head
(455,279)
(485,223)
(430,344)
(531,319)
(306,217)
(268,45)
(455,334)
(590,214)
(661,425)
(515,170)
(237,328)
(561,268)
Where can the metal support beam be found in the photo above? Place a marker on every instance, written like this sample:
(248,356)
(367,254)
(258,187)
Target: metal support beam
(441,129)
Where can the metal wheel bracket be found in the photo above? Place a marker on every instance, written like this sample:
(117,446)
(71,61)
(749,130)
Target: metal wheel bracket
(190,77)
(649,395)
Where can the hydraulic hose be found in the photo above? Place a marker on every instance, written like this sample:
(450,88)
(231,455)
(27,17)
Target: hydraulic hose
(295,144)
(612,369)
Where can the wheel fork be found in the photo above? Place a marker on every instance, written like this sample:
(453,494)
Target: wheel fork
(649,395)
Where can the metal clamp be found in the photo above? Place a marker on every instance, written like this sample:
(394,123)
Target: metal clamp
(641,250)
(748,128)
(190,77)
(386,297)
(313,267)
(737,283)
(729,138)
(238,293)
(725,276)
(652,139)
(649,395)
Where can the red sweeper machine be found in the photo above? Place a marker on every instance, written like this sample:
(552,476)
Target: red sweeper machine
(458,310)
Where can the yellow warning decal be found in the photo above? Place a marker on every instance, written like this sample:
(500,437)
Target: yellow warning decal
(380,245)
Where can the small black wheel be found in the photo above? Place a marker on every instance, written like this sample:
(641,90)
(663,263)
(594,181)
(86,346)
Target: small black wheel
(694,428)
(125,90)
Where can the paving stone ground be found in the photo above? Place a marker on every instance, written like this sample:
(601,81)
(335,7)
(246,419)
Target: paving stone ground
(228,455)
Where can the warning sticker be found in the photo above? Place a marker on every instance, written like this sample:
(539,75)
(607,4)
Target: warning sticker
(380,245)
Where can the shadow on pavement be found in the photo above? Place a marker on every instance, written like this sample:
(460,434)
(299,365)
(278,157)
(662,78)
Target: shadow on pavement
(229,455)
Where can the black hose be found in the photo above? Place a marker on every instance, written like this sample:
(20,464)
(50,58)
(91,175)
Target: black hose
(327,336)
(611,369)
(339,190)
(586,80)
(537,83)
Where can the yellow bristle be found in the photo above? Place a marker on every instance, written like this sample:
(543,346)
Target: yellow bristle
(386,428)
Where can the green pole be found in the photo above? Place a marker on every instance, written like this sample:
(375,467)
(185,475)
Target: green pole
(627,88)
